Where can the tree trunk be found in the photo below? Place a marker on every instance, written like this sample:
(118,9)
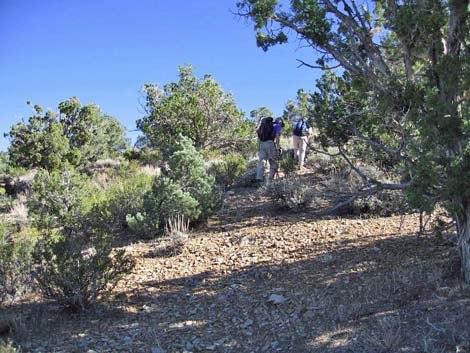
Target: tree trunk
(464,242)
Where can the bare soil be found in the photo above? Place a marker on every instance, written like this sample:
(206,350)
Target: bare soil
(258,279)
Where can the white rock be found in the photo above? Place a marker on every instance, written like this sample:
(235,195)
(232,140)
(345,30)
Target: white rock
(276,299)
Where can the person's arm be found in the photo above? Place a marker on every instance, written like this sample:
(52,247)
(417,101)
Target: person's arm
(277,135)
(309,133)
(277,141)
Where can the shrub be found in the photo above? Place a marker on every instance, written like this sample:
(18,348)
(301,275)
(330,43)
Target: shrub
(76,269)
(183,189)
(4,200)
(228,170)
(287,165)
(60,199)
(15,262)
(3,162)
(123,196)
(166,200)
(326,163)
(291,193)
(145,155)
(384,204)
(74,260)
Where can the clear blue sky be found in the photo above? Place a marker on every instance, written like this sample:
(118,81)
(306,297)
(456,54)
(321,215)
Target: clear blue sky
(103,51)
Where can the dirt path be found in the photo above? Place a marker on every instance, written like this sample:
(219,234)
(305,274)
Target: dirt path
(257,280)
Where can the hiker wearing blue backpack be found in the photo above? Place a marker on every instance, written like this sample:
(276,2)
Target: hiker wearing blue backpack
(301,133)
(268,132)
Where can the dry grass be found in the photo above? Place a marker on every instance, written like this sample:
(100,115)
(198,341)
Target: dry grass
(17,213)
(150,170)
(386,336)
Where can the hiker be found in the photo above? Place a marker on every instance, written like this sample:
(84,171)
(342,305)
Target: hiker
(301,133)
(278,125)
(268,132)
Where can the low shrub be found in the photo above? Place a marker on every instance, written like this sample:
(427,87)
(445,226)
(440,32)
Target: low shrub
(77,269)
(291,193)
(144,156)
(166,200)
(385,203)
(227,171)
(74,261)
(15,262)
(183,189)
(326,163)
(121,197)
(288,165)
(60,199)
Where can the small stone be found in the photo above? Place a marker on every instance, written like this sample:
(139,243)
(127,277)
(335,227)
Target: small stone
(156,350)
(276,299)
(189,346)
(247,323)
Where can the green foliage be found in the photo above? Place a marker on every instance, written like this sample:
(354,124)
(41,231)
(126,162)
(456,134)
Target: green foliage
(15,262)
(302,106)
(144,155)
(76,135)
(77,269)
(195,108)
(288,165)
(60,199)
(400,102)
(123,196)
(260,113)
(38,143)
(183,190)
(3,162)
(227,171)
(142,224)
(244,139)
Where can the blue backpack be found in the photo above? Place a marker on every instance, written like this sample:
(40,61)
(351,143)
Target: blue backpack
(300,128)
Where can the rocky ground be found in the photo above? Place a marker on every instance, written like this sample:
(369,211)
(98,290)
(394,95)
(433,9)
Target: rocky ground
(255,279)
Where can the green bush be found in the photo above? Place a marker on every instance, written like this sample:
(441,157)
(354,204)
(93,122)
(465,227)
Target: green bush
(186,169)
(60,199)
(144,156)
(228,170)
(123,196)
(166,200)
(184,189)
(15,262)
(287,165)
(3,162)
(74,259)
(77,269)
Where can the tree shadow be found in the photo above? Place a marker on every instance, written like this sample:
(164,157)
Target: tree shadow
(385,296)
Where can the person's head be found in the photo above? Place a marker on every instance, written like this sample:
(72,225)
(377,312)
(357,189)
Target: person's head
(280,121)
(269,118)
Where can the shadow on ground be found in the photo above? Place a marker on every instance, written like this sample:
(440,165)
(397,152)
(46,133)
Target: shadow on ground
(398,294)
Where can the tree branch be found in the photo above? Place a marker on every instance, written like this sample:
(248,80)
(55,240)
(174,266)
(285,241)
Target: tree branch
(322,67)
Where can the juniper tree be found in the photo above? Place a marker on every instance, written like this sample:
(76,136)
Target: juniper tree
(401,89)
